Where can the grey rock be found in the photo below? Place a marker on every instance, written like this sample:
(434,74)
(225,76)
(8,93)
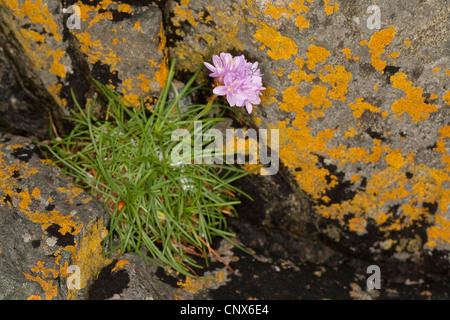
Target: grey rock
(47,225)
(361,109)
(117,44)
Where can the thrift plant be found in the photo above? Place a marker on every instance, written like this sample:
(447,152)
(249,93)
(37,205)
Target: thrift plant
(172,210)
(240,81)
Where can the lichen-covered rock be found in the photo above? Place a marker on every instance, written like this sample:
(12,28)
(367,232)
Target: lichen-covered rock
(50,230)
(130,277)
(359,93)
(69,43)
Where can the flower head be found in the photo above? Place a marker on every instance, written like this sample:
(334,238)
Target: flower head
(236,79)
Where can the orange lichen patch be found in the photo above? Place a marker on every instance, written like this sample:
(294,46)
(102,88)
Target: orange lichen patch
(163,72)
(339,79)
(280,47)
(279,73)
(394,54)
(185,3)
(395,159)
(144,83)
(377,45)
(350,133)
(107,15)
(445,133)
(181,15)
(414,103)
(34,297)
(268,96)
(162,38)
(439,233)
(440,146)
(92,49)
(446,97)
(329,9)
(302,22)
(54,217)
(33,35)
(407,42)
(89,257)
(126,8)
(277,12)
(357,224)
(359,106)
(195,285)
(71,193)
(56,67)
(315,55)
(37,13)
(50,289)
(46,272)
(203,19)
(120,264)
(319,101)
(67,224)
(36,193)
(54,90)
(299,75)
(436,69)
(298,6)
(347,52)
(297,145)
(433,96)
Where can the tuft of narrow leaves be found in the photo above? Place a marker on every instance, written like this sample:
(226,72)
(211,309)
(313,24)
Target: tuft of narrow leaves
(173,211)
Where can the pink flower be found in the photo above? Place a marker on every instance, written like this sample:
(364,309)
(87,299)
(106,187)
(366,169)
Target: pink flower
(236,79)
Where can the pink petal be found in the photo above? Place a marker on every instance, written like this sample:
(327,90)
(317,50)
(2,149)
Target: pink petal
(217,61)
(249,107)
(210,66)
(220,90)
(231,98)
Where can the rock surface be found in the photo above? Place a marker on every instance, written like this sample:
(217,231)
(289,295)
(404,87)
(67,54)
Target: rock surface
(119,44)
(359,93)
(47,225)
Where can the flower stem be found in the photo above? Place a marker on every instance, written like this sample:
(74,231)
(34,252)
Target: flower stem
(204,111)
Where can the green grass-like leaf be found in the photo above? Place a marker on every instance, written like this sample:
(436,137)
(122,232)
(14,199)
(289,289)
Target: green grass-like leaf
(124,161)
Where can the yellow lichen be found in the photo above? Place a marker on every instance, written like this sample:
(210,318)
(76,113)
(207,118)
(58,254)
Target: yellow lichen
(413,103)
(360,106)
(377,45)
(120,264)
(315,55)
(302,22)
(339,79)
(277,12)
(395,159)
(280,47)
(329,9)
(89,256)
(181,15)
